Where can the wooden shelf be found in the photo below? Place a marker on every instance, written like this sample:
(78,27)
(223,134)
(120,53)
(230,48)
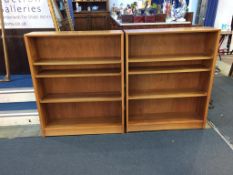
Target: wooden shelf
(78,61)
(78,73)
(85,122)
(82,97)
(164,121)
(167,69)
(87,125)
(163,94)
(146,59)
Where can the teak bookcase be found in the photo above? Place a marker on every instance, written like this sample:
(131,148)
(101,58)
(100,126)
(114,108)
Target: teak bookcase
(169,76)
(78,79)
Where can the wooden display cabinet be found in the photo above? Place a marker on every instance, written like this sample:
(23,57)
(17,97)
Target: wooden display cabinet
(169,76)
(94,19)
(85,21)
(79,81)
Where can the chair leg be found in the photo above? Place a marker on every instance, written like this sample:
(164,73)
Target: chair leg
(220,57)
(231,71)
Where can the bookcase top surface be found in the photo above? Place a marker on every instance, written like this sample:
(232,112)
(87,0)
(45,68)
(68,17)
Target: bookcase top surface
(74,33)
(171,30)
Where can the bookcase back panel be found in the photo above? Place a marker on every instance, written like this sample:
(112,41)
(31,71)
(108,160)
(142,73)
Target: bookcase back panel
(76,47)
(164,82)
(170,63)
(33,49)
(169,44)
(81,85)
(182,105)
(211,42)
(81,67)
(97,110)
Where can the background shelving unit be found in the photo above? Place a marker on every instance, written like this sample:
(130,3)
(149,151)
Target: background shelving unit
(169,76)
(98,19)
(79,81)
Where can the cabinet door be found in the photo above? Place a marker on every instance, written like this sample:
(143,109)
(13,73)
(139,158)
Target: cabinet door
(100,22)
(82,23)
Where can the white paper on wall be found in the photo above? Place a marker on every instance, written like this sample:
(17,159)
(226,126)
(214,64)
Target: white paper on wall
(26,14)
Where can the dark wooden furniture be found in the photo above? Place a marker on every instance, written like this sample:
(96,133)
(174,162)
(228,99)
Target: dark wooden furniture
(231,71)
(143,19)
(224,35)
(78,79)
(92,20)
(118,25)
(169,77)
(189,16)
(17,52)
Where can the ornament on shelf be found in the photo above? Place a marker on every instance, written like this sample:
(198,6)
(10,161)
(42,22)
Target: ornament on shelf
(179,13)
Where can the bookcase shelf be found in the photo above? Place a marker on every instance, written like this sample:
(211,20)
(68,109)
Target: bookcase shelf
(78,61)
(163,120)
(165,58)
(78,79)
(167,69)
(169,76)
(152,94)
(90,125)
(78,73)
(82,97)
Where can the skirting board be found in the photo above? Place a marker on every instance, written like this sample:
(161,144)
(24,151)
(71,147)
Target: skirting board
(19,118)
(17,95)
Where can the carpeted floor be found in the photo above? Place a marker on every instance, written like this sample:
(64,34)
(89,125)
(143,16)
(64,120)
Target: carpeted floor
(195,152)
(222,114)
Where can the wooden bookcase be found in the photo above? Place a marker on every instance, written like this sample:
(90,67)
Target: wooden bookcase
(169,77)
(78,79)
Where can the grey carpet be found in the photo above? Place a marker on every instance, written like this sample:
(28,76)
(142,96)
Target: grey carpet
(195,152)
(222,114)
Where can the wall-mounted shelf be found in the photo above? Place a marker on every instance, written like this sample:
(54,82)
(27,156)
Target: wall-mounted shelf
(79,81)
(169,76)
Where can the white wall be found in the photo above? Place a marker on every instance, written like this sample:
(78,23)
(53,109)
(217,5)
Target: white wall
(224,16)
(224,13)
(193,4)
